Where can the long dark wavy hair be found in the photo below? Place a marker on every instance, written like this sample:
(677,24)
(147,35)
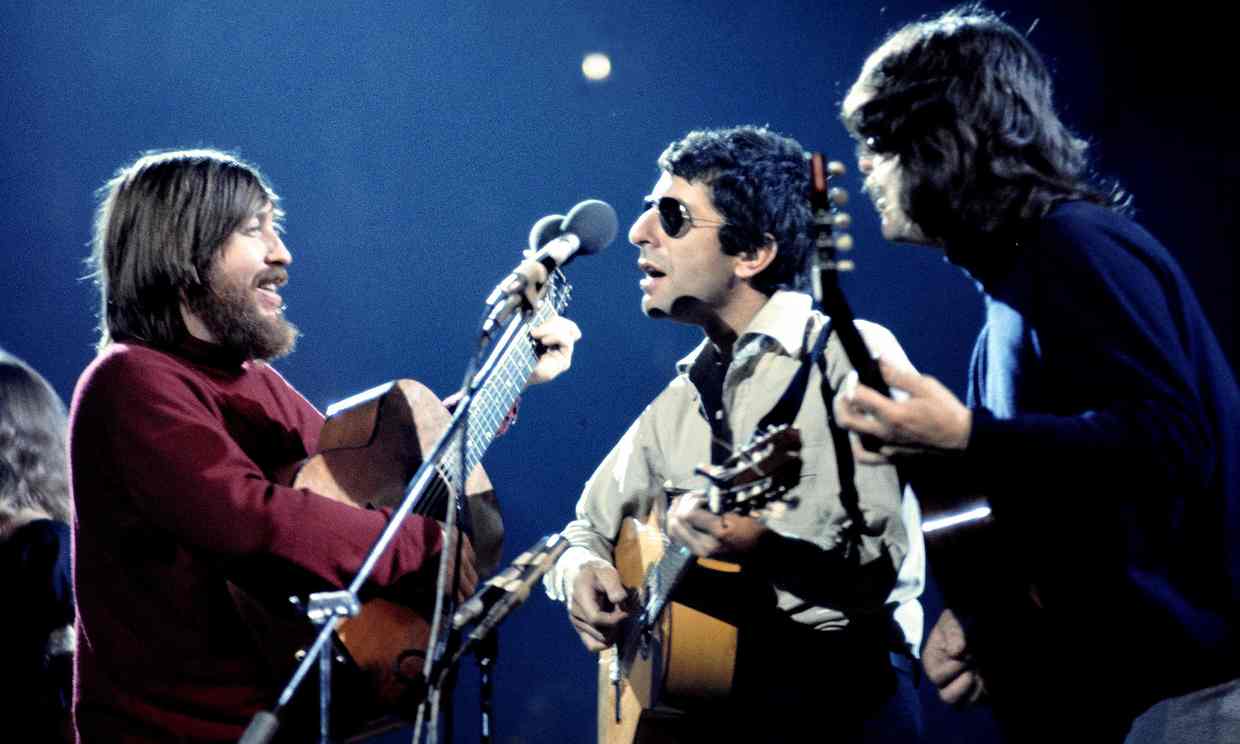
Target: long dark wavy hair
(759,182)
(161,221)
(34,474)
(965,103)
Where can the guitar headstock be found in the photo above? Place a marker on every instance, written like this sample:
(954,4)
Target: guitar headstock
(830,224)
(757,476)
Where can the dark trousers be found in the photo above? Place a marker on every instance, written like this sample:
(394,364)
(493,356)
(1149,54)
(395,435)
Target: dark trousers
(797,684)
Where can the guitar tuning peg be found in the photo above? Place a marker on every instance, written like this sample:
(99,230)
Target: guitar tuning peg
(843,242)
(838,196)
(841,220)
(836,169)
(843,265)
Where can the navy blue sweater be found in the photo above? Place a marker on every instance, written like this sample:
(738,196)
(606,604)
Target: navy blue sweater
(1106,430)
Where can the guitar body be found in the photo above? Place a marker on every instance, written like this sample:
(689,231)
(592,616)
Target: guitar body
(691,661)
(369,451)
(675,657)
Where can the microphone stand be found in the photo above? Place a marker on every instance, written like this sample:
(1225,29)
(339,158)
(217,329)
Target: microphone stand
(439,659)
(329,608)
(486,653)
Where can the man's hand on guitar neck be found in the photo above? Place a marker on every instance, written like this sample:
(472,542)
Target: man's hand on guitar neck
(711,535)
(556,337)
(928,419)
(598,605)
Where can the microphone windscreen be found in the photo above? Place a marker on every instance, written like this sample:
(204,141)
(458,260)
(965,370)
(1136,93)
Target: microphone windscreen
(594,222)
(545,230)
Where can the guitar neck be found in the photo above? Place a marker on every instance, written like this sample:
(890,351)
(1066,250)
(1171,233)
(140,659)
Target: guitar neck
(827,268)
(503,376)
(844,323)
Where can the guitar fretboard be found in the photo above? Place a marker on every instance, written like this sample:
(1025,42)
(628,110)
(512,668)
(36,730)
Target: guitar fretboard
(508,375)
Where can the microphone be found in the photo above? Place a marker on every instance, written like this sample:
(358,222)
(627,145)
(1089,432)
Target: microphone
(514,585)
(587,229)
(545,230)
(491,592)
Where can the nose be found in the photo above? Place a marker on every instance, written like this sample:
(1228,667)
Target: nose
(644,228)
(277,252)
(865,164)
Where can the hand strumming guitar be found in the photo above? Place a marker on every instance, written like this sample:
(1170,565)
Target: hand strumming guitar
(598,605)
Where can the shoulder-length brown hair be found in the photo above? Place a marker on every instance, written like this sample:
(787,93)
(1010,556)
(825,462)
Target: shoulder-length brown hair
(161,220)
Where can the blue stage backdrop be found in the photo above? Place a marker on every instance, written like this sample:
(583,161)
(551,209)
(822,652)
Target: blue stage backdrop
(415,143)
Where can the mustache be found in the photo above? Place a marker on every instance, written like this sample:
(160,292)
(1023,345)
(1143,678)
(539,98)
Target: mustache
(276,274)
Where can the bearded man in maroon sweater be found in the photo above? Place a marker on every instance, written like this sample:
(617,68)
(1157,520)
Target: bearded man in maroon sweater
(178,432)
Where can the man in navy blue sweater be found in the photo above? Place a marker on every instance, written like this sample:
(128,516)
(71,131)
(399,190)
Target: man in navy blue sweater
(1102,423)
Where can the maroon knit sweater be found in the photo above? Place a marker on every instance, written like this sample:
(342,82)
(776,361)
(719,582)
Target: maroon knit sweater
(173,458)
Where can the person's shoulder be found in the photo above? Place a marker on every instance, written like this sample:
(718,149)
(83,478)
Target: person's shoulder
(1083,212)
(43,541)
(41,532)
(129,359)
(1084,224)
(1073,226)
(262,370)
(1098,235)
(131,372)
(266,376)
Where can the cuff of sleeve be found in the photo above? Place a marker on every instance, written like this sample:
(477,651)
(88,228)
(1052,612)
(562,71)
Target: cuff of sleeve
(559,580)
(982,451)
(980,428)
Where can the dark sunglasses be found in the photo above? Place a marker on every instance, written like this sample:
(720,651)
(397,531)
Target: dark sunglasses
(674,216)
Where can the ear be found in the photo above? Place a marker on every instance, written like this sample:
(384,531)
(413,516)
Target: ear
(753,261)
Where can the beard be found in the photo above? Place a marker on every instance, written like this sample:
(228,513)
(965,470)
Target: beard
(228,309)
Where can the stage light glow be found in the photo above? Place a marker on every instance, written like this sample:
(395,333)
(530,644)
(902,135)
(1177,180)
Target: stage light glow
(596,66)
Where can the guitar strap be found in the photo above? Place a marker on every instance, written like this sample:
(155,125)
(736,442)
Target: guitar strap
(785,411)
(707,375)
(789,404)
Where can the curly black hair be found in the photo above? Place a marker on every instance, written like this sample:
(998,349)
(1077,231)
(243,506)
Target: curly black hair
(965,103)
(759,182)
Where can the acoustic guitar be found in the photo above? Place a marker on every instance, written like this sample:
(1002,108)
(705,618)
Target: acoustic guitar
(371,445)
(672,656)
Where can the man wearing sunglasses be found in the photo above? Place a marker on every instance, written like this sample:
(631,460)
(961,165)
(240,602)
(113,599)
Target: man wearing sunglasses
(836,574)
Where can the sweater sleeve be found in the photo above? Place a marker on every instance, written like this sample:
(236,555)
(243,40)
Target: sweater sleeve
(157,439)
(1117,404)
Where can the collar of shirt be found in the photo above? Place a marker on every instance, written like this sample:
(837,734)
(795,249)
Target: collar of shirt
(780,322)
